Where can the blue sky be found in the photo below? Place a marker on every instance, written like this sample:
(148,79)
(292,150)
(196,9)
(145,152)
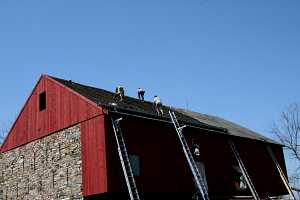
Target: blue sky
(239,60)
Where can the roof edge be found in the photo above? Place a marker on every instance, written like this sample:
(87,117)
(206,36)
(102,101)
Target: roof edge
(73,91)
(23,107)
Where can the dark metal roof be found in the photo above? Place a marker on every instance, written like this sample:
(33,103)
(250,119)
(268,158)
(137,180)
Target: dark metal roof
(132,105)
(232,128)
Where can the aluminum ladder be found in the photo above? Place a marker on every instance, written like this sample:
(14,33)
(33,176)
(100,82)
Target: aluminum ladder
(200,184)
(281,173)
(125,162)
(244,171)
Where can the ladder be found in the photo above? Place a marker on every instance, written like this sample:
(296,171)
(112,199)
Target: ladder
(281,173)
(199,180)
(125,162)
(243,169)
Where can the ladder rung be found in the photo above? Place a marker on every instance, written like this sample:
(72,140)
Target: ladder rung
(181,127)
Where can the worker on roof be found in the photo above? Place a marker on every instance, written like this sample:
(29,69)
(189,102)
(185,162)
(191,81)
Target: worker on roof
(158,105)
(141,93)
(120,92)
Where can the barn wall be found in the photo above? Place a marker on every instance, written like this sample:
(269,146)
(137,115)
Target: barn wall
(94,159)
(162,165)
(261,168)
(49,168)
(218,158)
(64,109)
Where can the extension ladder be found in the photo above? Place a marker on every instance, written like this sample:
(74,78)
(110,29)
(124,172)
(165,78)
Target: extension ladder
(281,173)
(199,180)
(125,162)
(244,171)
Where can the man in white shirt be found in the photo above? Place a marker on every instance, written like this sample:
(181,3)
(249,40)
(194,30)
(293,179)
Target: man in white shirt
(158,105)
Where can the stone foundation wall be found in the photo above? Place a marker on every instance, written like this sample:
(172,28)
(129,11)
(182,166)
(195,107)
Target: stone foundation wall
(49,168)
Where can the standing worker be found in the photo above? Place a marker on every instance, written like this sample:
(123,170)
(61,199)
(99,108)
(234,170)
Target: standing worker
(158,105)
(141,93)
(196,151)
(199,163)
(120,92)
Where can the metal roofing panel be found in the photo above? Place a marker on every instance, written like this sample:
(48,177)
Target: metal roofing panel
(106,98)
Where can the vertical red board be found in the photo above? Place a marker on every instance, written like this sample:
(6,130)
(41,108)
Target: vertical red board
(94,156)
(64,108)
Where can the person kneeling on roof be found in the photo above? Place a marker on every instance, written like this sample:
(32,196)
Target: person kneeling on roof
(158,105)
(141,93)
(120,92)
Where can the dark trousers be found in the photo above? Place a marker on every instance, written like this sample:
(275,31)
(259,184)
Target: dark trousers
(141,95)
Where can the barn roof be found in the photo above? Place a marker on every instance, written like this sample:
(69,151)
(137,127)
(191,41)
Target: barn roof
(132,105)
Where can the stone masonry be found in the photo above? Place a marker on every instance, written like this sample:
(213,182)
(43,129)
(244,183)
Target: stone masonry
(48,168)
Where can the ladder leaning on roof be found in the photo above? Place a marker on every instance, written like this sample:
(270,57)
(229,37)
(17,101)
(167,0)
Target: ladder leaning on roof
(244,170)
(199,180)
(125,162)
(281,173)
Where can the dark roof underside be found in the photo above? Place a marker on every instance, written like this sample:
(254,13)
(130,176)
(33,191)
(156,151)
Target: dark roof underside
(106,98)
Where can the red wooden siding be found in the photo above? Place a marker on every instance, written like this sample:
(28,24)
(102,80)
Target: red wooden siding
(94,159)
(64,108)
(261,168)
(161,158)
(162,163)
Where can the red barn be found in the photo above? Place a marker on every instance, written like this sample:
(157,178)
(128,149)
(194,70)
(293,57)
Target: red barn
(72,141)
